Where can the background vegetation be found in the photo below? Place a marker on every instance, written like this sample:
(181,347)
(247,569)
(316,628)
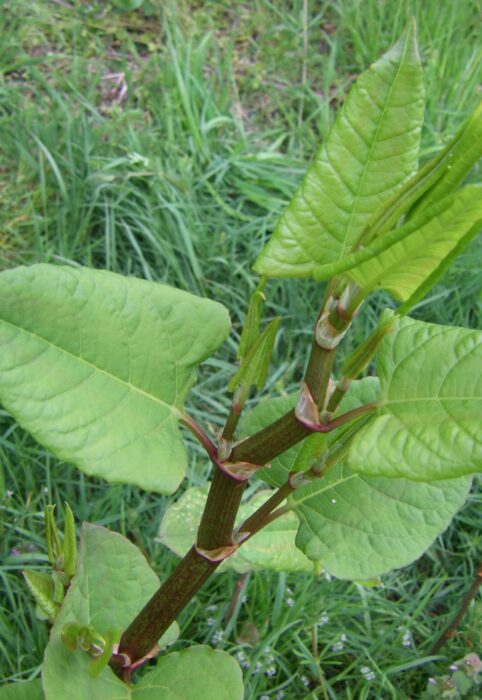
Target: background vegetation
(164,142)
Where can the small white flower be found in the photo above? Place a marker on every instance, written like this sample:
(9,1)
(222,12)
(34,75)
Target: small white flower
(290,602)
(324,620)
(305,681)
(270,671)
(367,673)
(258,667)
(46,490)
(210,621)
(333,500)
(242,659)
(280,695)
(9,493)
(217,637)
(264,697)
(338,646)
(211,608)
(407,640)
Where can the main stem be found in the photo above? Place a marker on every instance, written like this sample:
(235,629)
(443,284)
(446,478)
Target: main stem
(214,541)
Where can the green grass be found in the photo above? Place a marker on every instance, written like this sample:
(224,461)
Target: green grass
(181,180)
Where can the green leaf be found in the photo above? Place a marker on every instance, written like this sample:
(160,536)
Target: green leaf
(30,690)
(197,673)
(97,367)
(441,174)
(112,583)
(42,588)
(438,273)
(428,423)
(253,370)
(463,152)
(251,325)
(360,527)
(52,538)
(273,548)
(370,151)
(404,266)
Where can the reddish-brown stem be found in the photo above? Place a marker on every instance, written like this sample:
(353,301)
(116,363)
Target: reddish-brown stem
(201,435)
(282,510)
(452,628)
(214,542)
(236,597)
(163,608)
(220,511)
(345,418)
(257,520)
(231,422)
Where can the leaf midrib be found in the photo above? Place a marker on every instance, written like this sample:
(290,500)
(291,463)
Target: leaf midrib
(131,387)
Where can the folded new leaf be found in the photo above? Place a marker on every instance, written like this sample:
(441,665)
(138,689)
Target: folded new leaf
(371,149)
(97,367)
(428,423)
(418,249)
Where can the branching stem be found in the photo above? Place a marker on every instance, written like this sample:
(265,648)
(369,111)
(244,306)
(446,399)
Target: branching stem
(215,537)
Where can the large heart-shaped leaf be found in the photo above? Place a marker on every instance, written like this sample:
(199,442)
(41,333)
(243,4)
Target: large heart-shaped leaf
(97,366)
(30,690)
(112,583)
(403,267)
(428,423)
(371,149)
(272,549)
(360,527)
(197,673)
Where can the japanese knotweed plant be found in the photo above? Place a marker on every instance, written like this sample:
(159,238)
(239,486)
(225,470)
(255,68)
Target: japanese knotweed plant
(360,474)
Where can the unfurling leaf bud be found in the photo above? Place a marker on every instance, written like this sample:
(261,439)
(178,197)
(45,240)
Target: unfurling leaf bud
(362,355)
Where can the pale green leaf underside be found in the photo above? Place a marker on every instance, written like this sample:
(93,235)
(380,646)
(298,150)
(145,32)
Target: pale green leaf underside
(360,527)
(29,690)
(428,425)
(371,149)
(97,366)
(272,549)
(112,583)
(404,266)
